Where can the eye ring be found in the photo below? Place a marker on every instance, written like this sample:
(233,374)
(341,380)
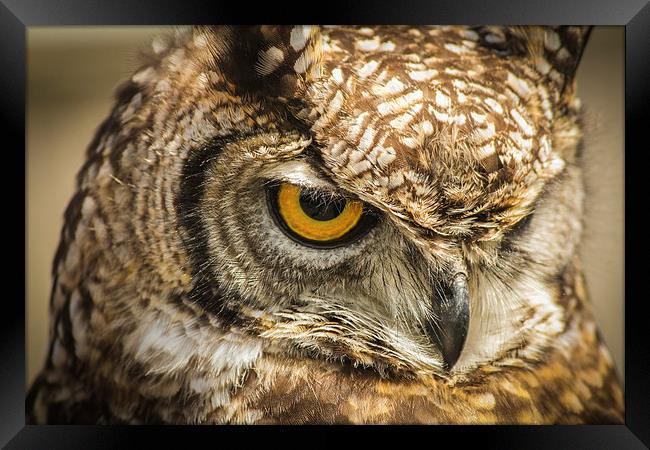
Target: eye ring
(317,219)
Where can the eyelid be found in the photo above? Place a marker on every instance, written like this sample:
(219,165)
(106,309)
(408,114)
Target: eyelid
(297,172)
(521,225)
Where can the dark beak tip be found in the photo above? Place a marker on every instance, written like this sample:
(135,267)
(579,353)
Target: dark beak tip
(453,324)
(451,350)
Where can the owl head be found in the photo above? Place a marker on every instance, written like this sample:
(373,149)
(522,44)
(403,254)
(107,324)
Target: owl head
(401,199)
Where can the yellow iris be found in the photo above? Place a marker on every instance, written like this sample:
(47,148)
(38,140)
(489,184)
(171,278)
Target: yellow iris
(303,225)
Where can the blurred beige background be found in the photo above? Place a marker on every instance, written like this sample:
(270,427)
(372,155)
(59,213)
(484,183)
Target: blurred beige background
(72,74)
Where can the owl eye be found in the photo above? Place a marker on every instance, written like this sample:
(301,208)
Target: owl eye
(316,218)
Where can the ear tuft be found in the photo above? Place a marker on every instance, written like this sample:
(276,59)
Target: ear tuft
(556,50)
(563,48)
(268,60)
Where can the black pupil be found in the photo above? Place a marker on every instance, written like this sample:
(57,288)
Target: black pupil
(319,208)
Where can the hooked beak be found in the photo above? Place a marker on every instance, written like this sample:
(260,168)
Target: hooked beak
(449,329)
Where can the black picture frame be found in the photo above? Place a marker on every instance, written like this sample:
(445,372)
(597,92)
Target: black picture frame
(16,15)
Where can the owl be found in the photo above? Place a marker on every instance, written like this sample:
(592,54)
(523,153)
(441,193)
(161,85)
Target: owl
(366,225)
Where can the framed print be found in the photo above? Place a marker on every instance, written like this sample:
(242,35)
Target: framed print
(417,219)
